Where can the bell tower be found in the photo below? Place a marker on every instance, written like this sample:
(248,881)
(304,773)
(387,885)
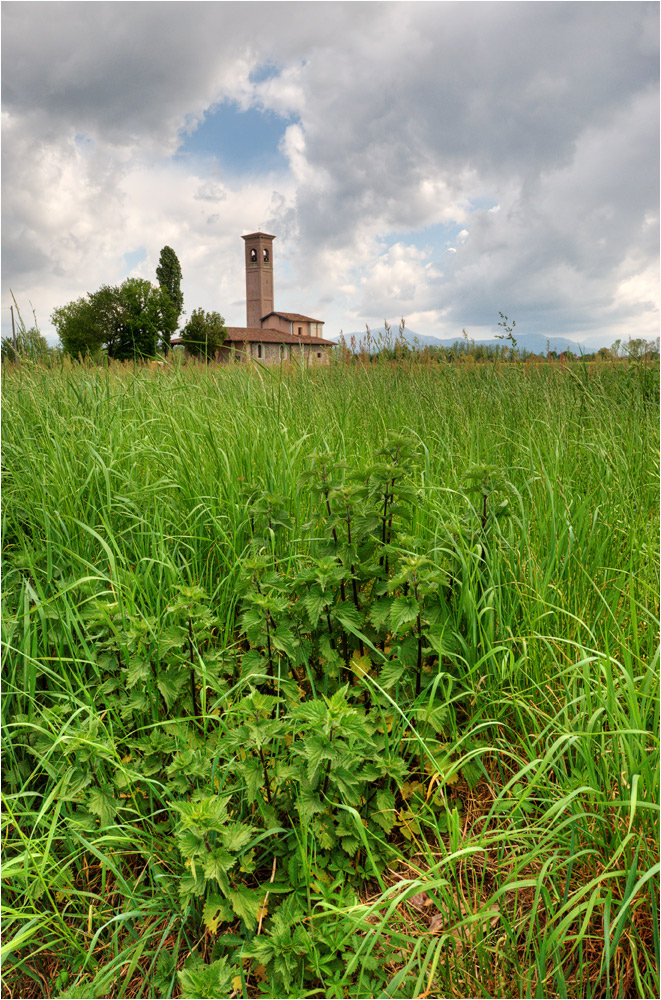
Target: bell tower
(259,277)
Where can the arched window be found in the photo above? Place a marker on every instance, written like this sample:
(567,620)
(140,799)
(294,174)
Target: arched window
(253,256)
(266,255)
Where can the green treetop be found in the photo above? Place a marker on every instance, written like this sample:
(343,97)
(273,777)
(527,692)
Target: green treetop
(168,274)
(204,333)
(125,322)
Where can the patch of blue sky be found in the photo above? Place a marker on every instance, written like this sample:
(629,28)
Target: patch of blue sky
(483,204)
(132,259)
(267,71)
(437,237)
(243,142)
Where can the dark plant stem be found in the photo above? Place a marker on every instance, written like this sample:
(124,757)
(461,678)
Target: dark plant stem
(328,767)
(418,680)
(268,646)
(345,655)
(392,497)
(191,654)
(271,622)
(330,628)
(386,532)
(384,518)
(484,511)
(267,783)
(334,533)
(353,577)
(326,777)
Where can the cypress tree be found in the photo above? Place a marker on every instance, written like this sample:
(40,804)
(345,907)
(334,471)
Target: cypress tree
(168,274)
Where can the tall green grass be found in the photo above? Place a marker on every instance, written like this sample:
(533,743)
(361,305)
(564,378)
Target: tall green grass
(539,861)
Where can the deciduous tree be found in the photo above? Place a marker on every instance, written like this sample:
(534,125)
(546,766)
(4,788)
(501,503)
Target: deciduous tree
(204,333)
(125,321)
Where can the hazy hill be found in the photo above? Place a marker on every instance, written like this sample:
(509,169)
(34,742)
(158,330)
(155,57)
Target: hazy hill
(536,343)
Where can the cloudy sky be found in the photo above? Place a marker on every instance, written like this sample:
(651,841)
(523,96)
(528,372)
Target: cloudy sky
(441,161)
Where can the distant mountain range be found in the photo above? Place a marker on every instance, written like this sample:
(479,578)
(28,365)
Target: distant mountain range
(536,343)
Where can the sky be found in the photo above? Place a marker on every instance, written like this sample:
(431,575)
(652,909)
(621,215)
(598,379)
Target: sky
(437,161)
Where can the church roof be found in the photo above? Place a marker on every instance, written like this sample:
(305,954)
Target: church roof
(262,335)
(293,317)
(266,336)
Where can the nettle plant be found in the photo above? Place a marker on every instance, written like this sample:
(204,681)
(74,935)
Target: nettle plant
(157,669)
(329,713)
(363,602)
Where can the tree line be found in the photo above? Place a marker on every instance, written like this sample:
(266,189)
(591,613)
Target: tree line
(132,321)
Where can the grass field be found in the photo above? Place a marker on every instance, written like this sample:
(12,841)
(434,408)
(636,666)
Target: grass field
(330,683)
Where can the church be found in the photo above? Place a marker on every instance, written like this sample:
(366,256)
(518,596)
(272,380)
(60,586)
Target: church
(270,336)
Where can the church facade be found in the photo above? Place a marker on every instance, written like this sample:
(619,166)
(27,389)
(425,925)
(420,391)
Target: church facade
(270,336)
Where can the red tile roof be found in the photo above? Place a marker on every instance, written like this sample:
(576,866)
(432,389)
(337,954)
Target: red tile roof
(294,317)
(242,334)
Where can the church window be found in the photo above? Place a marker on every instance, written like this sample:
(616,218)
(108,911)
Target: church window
(253,256)
(266,255)
(259,350)
(300,330)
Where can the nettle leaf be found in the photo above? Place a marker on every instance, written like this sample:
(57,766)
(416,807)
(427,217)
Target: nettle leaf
(284,641)
(127,778)
(247,903)
(170,684)
(434,714)
(347,782)
(314,603)
(251,770)
(109,686)
(361,665)
(190,844)
(350,845)
(138,670)
(338,702)
(407,651)
(172,637)
(348,614)
(384,814)
(202,813)
(325,833)
(102,803)
(217,862)
(380,611)
(74,781)
(138,702)
(390,674)
(403,610)
(252,662)
(217,910)
(202,982)
(317,747)
(308,802)
(192,884)
(328,653)
(236,836)
(372,771)
(314,712)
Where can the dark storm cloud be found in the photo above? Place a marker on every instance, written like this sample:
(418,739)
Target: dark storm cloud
(502,89)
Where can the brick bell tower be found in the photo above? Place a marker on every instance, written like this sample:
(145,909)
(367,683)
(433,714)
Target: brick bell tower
(259,277)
